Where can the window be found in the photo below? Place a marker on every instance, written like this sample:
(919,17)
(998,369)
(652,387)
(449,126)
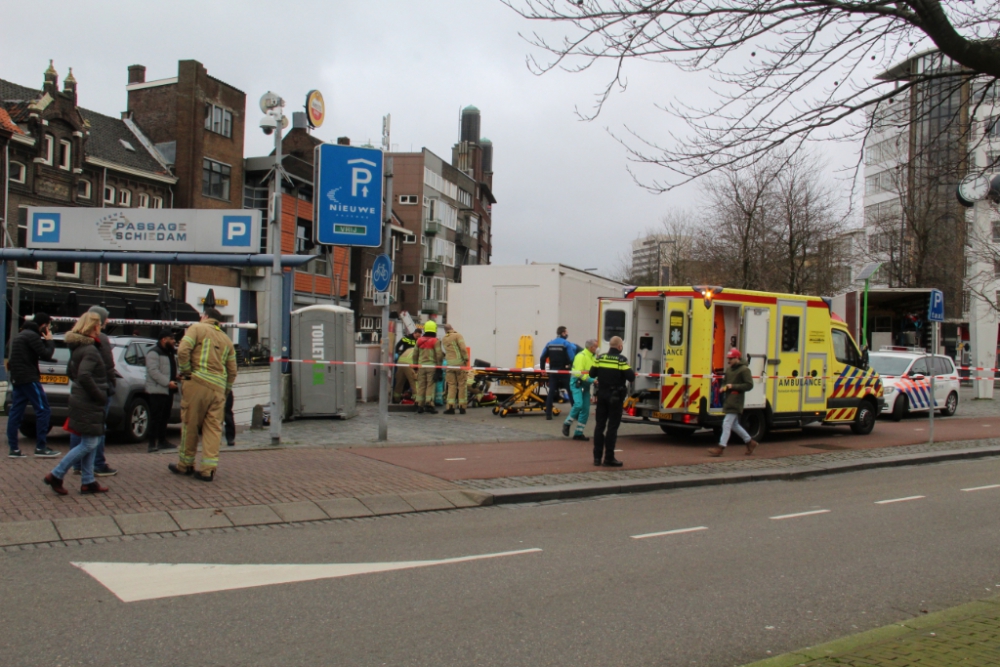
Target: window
(880,182)
(144,273)
(919,367)
(83,189)
(18,174)
(437,182)
(943,366)
(474,226)
(215,179)
(844,349)
(117,273)
(26,266)
(408,279)
(410,238)
(614,324)
(996,267)
(49,147)
(445,250)
(143,200)
(135,353)
(885,150)
(443,212)
(464,197)
(65,155)
(789,333)
(157,202)
(109,195)
(124,197)
(436,289)
(127,145)
(67,270)
(219,120)
(407,199)
(993,127)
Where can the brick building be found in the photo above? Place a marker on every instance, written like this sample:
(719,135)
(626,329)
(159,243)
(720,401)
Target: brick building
(197,124)
(61,154)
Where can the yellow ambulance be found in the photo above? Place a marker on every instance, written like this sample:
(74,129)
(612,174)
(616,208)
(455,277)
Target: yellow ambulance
(806,366)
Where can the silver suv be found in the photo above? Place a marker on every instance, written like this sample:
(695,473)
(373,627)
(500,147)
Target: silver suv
(129,411)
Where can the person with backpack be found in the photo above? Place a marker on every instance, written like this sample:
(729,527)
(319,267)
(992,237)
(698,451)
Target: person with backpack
(33,343)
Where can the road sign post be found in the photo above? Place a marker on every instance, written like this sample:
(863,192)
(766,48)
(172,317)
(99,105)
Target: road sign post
(935,315)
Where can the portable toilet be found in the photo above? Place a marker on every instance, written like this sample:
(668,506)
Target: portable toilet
(323,333)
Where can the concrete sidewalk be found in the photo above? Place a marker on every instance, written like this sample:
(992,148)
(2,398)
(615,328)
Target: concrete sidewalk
(968,635)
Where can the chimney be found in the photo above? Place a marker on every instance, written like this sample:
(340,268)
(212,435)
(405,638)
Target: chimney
(343,141)
(137,74)
(69,85)
(51,85)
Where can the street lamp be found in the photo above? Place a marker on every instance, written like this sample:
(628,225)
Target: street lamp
(273,122)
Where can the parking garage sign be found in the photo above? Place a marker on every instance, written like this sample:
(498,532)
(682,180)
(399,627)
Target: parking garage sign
(935,310)
(348,208)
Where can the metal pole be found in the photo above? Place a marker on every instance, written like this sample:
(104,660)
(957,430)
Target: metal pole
(274,240)
(864,319)
(383,392)
(930,368)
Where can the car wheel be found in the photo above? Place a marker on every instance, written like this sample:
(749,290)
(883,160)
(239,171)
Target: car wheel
(137,420)
(864,421)
(950,405)
(755,424)
(900,408)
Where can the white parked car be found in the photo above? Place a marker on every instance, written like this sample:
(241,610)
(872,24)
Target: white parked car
(905,374)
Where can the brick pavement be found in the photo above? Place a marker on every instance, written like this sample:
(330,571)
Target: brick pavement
(967,635)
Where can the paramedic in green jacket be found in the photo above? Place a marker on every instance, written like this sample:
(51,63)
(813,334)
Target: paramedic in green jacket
(579,384)
(737,382)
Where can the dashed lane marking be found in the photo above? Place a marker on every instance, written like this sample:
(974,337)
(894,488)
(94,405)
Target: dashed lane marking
(132,582)
(797,515)
(679,531)
(454,459)
(983,488)
(898,500)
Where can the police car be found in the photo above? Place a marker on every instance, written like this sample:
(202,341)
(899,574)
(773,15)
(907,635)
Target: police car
(905,373)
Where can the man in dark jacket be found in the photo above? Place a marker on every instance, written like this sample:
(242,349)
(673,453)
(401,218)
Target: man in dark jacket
(613,374)
(101,467)
(559,354)
(737,382)
(34,342)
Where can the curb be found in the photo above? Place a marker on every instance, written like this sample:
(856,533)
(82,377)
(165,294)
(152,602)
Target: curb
(878,635)
(530,494)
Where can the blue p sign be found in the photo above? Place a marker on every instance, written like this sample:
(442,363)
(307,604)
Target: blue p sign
(45,228)
(935,311)
(236,230)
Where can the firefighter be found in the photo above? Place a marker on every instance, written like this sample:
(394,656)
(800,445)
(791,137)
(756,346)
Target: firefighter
(559,353)
(457,357)
(580,383)
(613,374)
(738,381)
(429,355)
(206,361)
(406,375)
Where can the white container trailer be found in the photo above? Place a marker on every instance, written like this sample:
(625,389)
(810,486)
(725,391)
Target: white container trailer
(494,306)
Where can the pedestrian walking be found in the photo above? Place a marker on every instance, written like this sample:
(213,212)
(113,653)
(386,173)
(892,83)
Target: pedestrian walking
(101,467)
(457,357)
(613,374)
(32,343)
(580,384)
(87,400)
(161,385)
(738,381)
(207,362)
(429,355)
(406,375)
(559,353)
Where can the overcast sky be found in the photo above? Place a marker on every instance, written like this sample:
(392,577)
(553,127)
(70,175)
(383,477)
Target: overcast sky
(563,191)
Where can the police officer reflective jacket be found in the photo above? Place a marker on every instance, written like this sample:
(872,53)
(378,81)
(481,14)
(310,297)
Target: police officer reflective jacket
(612,373)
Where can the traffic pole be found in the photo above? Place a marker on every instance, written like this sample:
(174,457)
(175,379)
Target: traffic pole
(274,240)
(930,368)
(383,391)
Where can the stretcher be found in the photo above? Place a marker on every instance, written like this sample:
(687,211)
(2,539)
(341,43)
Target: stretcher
(527,386)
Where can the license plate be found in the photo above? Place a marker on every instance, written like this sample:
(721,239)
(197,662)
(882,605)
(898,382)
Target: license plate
(55,379)
(663,415)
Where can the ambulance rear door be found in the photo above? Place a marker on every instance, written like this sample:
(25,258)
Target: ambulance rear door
(756,327)
(616,320)
(676,358)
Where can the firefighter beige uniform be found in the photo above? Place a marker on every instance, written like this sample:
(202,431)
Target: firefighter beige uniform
(429,355)
(207,357)
(457,356)
(405,375)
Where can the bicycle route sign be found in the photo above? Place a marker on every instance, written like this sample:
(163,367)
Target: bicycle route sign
(382,273)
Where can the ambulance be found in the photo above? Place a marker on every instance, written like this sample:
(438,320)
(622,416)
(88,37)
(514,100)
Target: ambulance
(806,366)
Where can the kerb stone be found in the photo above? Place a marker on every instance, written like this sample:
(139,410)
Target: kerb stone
(150,522)
(426,501)
(252,515)
(386,504)
(87,527)
(200,519)
(27,532)
(302,511)
(343,508)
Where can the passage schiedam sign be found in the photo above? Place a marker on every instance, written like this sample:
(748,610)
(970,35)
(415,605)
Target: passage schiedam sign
(144,229)
(348,195)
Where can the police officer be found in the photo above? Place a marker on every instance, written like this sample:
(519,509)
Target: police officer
(559,353)
(612,373)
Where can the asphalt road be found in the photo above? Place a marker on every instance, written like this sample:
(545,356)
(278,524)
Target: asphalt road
(746,586)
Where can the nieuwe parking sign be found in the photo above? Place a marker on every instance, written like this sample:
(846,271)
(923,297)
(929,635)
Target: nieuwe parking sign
(348,195)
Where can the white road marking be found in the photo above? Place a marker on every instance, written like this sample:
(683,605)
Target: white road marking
(898,500)
(797,515)
(132,582)
(983,488)
(454,459)
(918,429)
(679,531)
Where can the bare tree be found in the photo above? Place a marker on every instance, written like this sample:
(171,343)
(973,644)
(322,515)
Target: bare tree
(785,72)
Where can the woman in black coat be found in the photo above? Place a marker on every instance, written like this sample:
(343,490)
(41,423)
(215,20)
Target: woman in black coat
(87,398)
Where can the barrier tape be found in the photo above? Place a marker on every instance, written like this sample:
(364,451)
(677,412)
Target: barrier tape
(162,323)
